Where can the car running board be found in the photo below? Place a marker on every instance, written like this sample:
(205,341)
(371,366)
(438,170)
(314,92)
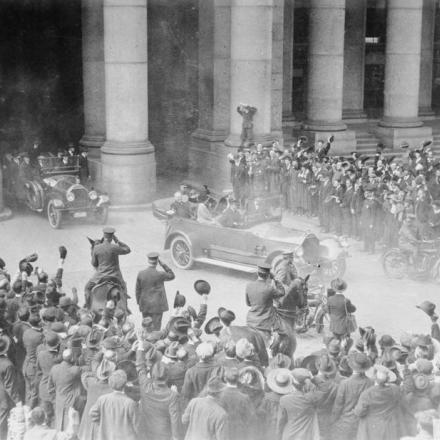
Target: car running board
(235,266)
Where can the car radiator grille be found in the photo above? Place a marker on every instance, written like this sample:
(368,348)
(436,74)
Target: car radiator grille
(81,199)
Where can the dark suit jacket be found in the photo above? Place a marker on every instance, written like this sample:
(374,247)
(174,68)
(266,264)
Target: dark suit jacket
(150,289)
(336,305)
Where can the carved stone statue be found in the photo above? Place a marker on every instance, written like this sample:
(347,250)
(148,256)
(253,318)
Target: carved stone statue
(247,112)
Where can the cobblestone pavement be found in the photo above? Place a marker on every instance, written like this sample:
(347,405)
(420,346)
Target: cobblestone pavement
(387,305)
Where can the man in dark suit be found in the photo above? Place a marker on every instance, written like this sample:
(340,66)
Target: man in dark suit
(150,289)
(105,259)
(259,297)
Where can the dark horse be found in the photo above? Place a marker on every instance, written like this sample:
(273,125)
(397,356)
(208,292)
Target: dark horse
(107,289)
(284,339)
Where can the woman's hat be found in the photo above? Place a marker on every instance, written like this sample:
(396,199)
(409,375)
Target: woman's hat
(202,287)
(226,316)
(338,284)
(421,381)
(280,381)
(171,350)
(359,362)
(104,369)
(251,377)
(384,374)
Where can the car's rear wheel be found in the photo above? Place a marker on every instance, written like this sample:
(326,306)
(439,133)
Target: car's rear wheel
(101,215)
(54,215)
(181,252)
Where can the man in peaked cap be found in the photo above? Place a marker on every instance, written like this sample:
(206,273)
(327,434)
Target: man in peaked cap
(150,289)
(259,298)
(105,259)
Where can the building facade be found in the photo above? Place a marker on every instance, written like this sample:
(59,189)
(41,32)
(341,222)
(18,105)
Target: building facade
(162,79)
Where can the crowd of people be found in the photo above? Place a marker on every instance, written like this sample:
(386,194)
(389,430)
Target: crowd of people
(366,198)
(75,372)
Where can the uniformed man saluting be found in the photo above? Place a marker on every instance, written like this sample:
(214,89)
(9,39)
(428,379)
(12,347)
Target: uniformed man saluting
(150,289)
(259,297)
(105,259)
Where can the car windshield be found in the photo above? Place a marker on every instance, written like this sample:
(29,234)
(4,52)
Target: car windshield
(277,232)
(62,183)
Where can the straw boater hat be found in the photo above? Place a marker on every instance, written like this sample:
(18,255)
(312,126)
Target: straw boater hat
(280,381)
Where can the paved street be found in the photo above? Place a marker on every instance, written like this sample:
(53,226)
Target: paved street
(387,305)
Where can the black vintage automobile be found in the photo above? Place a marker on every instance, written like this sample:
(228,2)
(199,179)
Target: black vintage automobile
(261,238)
(56,190)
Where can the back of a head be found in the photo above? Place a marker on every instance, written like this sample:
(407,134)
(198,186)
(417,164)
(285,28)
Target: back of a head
(231,375)
(205,350)
(67,355)
(117,380)
(23,313)
(38,416)
(34,320)
(229,349)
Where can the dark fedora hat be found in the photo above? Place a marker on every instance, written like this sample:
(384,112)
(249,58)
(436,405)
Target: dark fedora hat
(428,307)
(130,370)
(171,350)
(226,316)
(202,287)
(338,284)
(213,325)
(179,300)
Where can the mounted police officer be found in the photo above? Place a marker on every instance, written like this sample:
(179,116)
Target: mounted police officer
(105,259)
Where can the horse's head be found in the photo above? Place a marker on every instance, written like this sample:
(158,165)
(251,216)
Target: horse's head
(94,241)
(300,286)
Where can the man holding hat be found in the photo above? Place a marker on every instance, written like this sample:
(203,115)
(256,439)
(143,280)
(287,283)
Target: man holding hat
(259,297)
(105,259)
(150,289)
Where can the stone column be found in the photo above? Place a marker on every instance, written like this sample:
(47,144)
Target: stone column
(427,55)
(277,70)
(128,163)
(402,75)
(207,148)
(251,67)
(325,76)
(93,75)
(289,13)
(5,212)
(354,59)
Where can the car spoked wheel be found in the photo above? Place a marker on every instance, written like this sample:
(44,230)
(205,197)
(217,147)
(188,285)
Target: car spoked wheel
(54,215)
(181,253)
(395,264)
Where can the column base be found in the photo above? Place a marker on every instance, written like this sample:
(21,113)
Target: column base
(128,172)
(324,126)
(344,143)
(426,113)
(5,214)
(208,163)
(234,140)
(92,142)
(353,115)
(392,137)
(400,123)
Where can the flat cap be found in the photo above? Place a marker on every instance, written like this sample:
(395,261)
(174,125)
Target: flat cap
(153,256)
(108,230)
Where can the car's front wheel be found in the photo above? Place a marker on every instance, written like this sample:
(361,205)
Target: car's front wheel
(54,215)
(181,252)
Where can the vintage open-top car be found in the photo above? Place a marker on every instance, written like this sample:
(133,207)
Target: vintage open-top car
(57,191)
(261,238)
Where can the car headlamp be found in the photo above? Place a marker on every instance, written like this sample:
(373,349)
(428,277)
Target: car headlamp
(58,203)
(70,196)
(104,198)
(93,195)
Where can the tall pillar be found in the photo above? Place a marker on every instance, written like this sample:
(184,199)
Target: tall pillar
(207,148)
(427,55)
(289,13)
(354,59)
(325,77)
(402,75)
(251,67)
(128,163)
(277,70)
(5,212)
(93,75)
